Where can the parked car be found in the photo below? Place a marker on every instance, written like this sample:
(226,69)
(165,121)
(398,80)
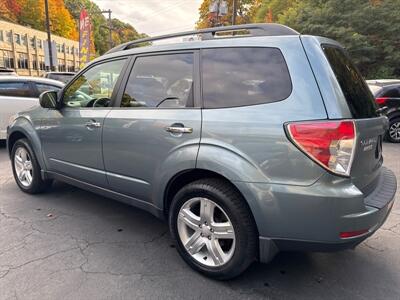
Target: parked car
(20,93)
(60,76)
(247,145)
(7,72)
(387,96)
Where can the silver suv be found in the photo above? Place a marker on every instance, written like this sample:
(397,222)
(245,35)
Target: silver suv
(249,140)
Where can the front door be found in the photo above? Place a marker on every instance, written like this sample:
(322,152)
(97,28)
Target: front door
(72,135)
(156,128)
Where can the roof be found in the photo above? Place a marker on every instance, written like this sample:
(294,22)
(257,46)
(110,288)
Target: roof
(29,78)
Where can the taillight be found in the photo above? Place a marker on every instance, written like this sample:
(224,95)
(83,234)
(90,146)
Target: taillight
(381,100)
(329,143)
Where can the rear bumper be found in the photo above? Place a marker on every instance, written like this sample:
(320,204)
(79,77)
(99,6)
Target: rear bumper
(312,218)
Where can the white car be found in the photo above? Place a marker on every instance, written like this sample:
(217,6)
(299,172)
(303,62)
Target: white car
(18,93)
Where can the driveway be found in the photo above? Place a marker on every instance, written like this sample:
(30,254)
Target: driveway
(72,244)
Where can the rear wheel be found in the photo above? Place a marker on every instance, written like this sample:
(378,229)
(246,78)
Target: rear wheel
(393,134)
(213,228)
(26,169)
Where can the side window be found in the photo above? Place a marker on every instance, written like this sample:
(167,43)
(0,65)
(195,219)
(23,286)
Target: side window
(42,87)
(244,76)
(15,89)
(94,87)
(392,93)
(160,81)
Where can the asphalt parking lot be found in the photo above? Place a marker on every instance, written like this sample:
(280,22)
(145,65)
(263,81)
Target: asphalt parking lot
(72,244)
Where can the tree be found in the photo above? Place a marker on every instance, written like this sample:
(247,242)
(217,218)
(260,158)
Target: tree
(10,10)
(122,32)
(245,13)
(368,29)
(273,8)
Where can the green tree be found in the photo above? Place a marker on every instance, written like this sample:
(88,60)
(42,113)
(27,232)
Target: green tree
(368,29)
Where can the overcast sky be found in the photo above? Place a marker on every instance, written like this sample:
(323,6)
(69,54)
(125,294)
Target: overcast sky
(155,17)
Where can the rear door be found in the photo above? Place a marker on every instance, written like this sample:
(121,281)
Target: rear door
(155,128)
(370,126)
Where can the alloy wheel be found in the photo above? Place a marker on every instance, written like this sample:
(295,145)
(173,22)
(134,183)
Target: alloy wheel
(206,232)
(394,131)
(23,166)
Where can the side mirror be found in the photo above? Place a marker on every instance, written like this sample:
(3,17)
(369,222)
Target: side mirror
(48,99)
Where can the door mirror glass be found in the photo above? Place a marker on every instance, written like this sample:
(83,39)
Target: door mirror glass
(48,99)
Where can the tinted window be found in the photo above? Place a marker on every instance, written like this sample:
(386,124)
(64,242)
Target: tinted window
(392,93)
(61,77)
(244,76)
(95,86)
(160,81)
(41,87)
(15,89)
(358,96)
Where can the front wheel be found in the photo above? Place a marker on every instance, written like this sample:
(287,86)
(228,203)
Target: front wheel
(26,169)
(213,228)
(393,134)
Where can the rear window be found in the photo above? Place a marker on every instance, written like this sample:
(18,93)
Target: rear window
(244,76)
(358,96)
(392,92)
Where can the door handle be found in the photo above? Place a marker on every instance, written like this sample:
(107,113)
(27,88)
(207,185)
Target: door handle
(179,130)
(92,124)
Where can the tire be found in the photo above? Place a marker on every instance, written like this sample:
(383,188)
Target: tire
(393,133)
(230,208)
(36,184)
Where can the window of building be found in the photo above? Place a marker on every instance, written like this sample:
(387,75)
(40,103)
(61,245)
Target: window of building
(8,60)
(23,61)
(42,65)
(9,37)
(61,65)
(1,36)
(58,46)
(63,48)
(24,40)
(244,76)
(39,43)
(67,49)
(32,42)
(17,38)
(160,81)
(34,64)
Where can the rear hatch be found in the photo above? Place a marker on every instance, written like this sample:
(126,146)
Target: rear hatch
(370,126)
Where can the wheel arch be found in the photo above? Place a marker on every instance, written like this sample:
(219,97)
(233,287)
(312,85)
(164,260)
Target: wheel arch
(185,177)
(22,128)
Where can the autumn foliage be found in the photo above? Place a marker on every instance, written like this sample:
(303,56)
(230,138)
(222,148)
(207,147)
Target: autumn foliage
(32,13)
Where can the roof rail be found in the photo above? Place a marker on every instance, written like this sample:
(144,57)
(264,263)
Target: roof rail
(256,29)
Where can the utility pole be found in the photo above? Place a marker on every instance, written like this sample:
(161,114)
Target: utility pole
(46,2)
(234,11)
(110,41)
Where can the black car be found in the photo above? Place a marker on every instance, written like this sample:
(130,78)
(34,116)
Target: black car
(387,96)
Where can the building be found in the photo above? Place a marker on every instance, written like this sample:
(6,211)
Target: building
(22,49)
